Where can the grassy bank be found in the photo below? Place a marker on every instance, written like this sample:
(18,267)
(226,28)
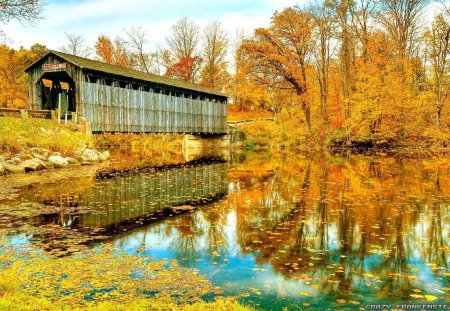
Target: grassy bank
(18,134)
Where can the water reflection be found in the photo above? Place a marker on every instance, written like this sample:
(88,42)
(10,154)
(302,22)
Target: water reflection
(114,203)
(332,232)
(296,232)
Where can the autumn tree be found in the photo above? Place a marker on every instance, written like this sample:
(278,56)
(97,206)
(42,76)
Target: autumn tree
(137,39)
(76,45)
(113,52)
(244,91)
(185,70)
(362,14)
(183,43)
(437,39)
(324,48)
(402,20)
(184,39)
(341,10)
(13,80)
(163,60)
(279,54)
(215,43)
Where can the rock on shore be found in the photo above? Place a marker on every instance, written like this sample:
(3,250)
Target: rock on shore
(36,159)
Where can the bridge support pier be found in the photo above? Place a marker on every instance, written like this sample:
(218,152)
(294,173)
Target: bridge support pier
(199,146)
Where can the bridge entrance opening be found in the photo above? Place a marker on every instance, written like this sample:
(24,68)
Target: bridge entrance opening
(54,86)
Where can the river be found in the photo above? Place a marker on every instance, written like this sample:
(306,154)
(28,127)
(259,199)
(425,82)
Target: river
(298,232)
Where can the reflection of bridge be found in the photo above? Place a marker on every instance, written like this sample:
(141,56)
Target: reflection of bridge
(117,200)
(118,99)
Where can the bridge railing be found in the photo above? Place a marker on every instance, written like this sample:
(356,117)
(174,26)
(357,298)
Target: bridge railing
(235,123)
(25,113)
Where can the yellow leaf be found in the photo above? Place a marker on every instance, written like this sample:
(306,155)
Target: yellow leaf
(417,296)
(304,293)
(430,297)
(341,301)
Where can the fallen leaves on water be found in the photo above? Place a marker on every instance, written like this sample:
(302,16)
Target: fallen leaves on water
(431,297)
(304,294)
(101,276)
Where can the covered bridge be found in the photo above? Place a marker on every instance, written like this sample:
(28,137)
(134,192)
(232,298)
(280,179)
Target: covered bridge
(118,99)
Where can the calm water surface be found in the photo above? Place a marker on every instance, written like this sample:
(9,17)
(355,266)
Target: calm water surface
(295,232)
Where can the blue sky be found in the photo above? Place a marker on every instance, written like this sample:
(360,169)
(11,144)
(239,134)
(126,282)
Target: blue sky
(91,18)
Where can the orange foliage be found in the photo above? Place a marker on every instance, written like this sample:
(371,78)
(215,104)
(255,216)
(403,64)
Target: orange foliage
(185,69)
(13,80)
(113,52)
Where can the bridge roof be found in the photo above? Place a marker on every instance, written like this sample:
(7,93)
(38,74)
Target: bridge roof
(86,63)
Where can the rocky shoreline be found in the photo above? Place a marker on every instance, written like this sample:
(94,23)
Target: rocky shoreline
(36,159)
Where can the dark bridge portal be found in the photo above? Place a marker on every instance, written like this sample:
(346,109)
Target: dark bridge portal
(118,99)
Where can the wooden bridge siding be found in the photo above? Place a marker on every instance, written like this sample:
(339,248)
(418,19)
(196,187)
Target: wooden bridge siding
(129,198)
(116,109)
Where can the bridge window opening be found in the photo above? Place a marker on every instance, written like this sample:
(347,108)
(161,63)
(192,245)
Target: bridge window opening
(53,84)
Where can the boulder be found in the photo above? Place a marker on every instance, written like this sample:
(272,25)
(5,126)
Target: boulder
(72,161)
(106,154)
(100,156)
(33,165)
(36,150)
(17,160)
(26,157)
(38,156)
(58,161)
(2,169)
(49,164)
(10,162)
(13,168)
(83,160)
(90,155)
(2,159)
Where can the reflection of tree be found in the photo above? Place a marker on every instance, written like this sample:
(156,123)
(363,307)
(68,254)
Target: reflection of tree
(398,282)
(369,206)
(435,232)
(216,237)
(190,228)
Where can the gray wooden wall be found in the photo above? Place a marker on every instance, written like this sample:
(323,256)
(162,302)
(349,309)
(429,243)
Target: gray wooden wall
(112,108)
